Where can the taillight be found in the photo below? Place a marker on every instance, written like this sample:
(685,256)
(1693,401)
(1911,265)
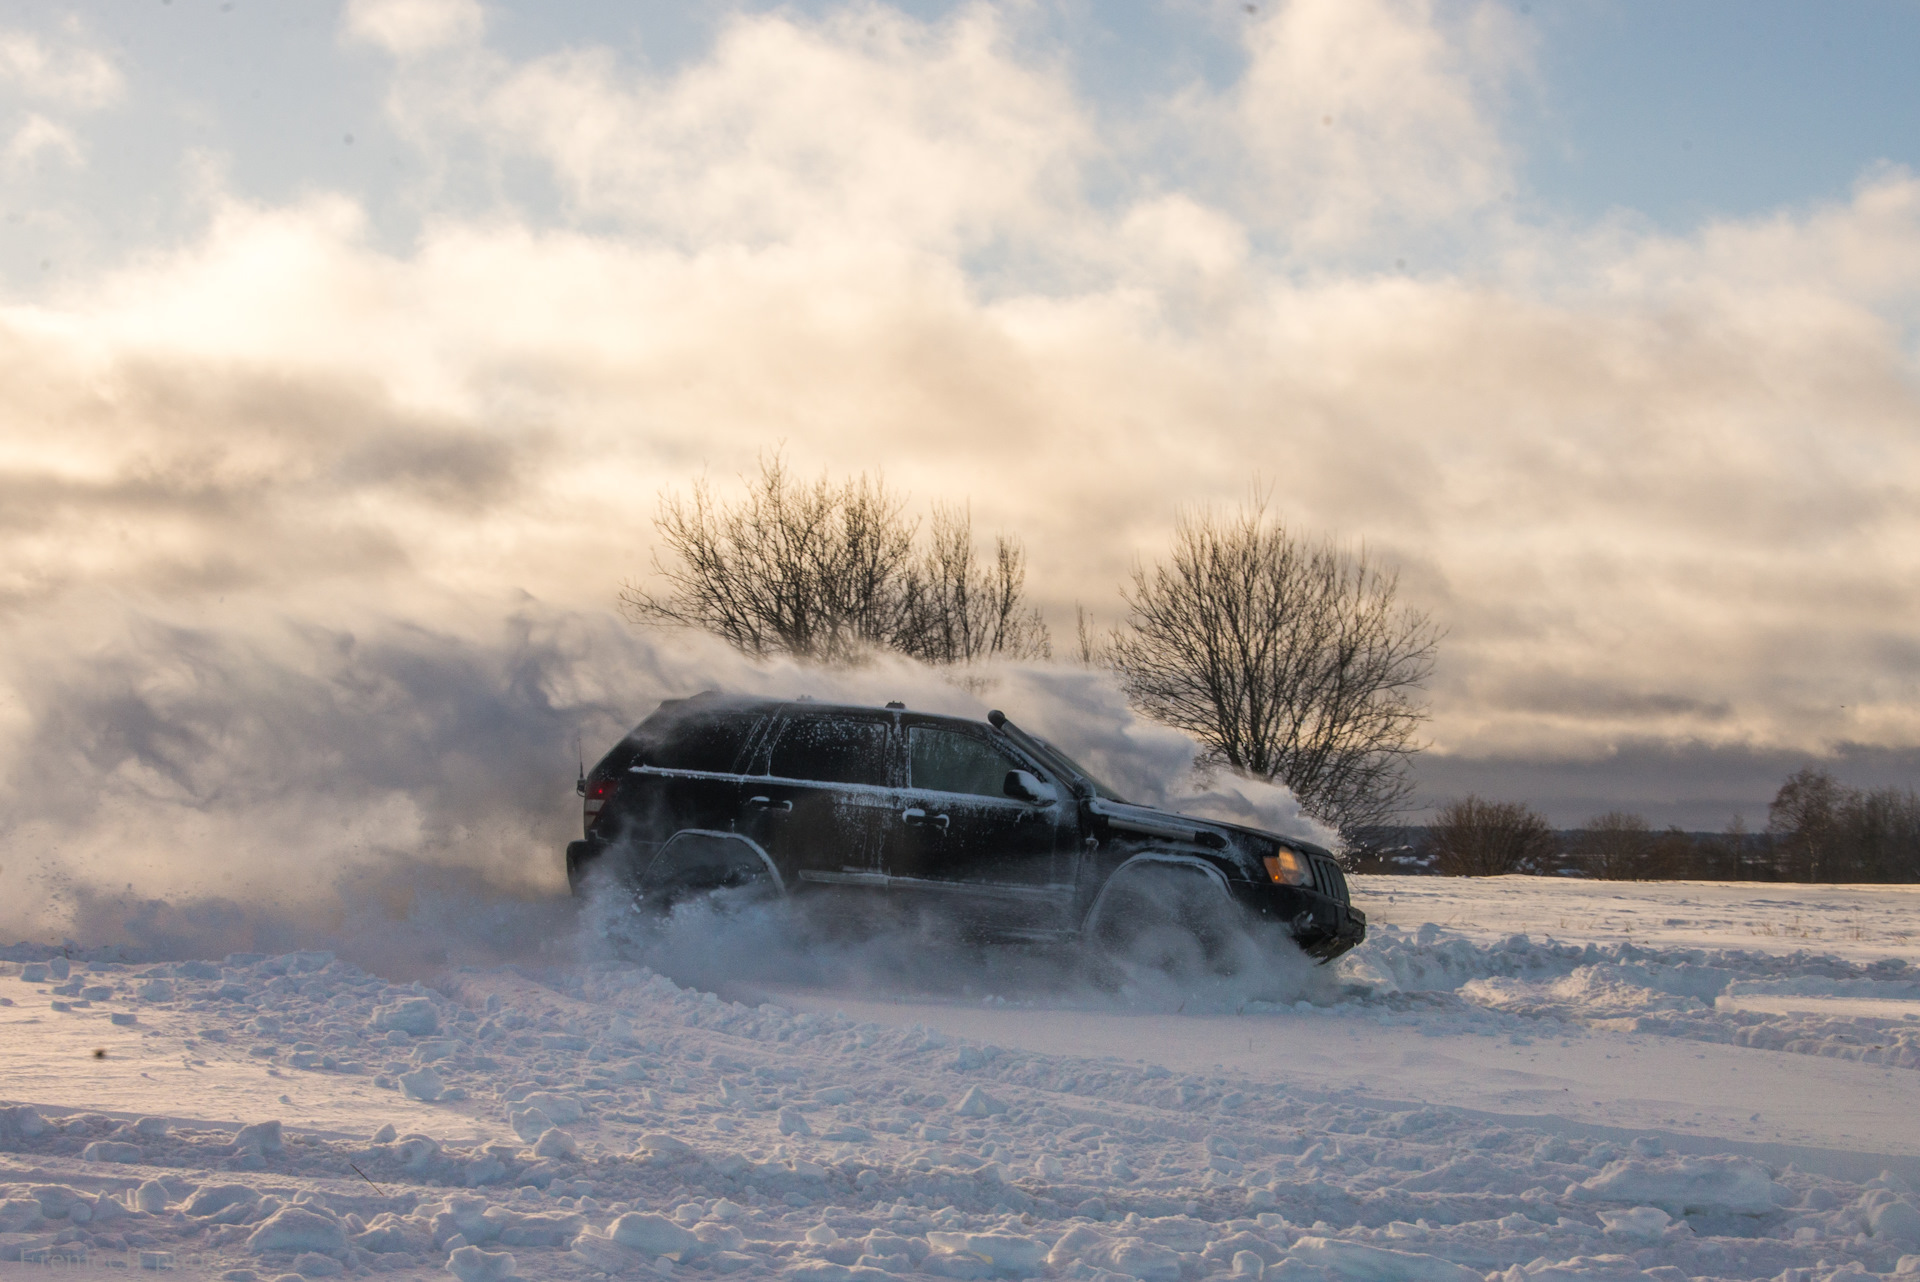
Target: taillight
(598,792)
(1287,867)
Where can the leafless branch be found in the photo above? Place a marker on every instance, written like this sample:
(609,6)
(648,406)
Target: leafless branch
(830,573)
(1290,660)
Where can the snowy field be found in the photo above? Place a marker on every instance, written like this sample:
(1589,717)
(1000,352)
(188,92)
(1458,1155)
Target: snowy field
(1526,1079)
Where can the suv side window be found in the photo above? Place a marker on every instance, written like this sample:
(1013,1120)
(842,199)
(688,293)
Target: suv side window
(832,750)
(948,761)
(708,743)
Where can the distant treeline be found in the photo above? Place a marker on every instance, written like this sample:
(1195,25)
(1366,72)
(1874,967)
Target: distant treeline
(1818,829)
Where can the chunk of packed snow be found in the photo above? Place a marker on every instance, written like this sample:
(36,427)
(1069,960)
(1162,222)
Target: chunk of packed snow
(22,1122)
(413,1015)
(529,1123)
(298,1228)
(1377,1263)
(19,1214)
(977,1103)
(1639,1222)
(211,1199)
(422,1084)
(58,1201)
(653,1235)
(417,1152)
(111,1151)
(261,1137)
(389,1233)
(561,1108)
(1685,1185)
(556,1143)
(662,1146)
(604,1255)
(1135,1257)
(1009,1256)
(471,1264)
(1895,1222)
(312,1264)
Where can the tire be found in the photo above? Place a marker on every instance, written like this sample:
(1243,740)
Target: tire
(725,898)
(1170,919)
(720,874)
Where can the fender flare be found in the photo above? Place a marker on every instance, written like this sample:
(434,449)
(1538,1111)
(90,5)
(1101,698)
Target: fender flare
(1161,857)
(711,834)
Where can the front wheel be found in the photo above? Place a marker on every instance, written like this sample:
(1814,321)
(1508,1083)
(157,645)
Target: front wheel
(1172,920)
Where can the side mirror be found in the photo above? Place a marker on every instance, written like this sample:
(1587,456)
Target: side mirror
(1023,785)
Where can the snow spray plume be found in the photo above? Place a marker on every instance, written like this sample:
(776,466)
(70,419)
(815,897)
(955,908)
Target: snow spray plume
(768,949)
(398,793)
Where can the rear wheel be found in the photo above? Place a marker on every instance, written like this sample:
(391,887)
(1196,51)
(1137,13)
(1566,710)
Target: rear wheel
(725,897)
(724,874)
(695,875)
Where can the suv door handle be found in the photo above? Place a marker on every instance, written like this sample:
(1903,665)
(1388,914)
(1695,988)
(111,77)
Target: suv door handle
(768,803)
(918,817)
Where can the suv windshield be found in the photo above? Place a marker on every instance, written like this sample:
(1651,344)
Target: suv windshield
(1068,765)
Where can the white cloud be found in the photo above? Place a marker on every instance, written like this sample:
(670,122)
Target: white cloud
(38,137)
(864,124)
(1363,116)
(69,75)
(409,27)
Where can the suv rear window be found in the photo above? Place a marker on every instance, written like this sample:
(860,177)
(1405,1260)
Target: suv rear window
(702,743)
(948,761)
(832,750)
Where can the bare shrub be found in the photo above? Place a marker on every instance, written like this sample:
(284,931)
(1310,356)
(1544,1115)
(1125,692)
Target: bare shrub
(830,572)
(1473,837)
(1615,846)
(1288,659)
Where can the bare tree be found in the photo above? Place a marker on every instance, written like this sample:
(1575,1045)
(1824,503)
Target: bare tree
(1884,827)
(961,609)
(829,572)
(1472,837)
(1806,823)
(1288,659)
(1615,846)
(1823,830)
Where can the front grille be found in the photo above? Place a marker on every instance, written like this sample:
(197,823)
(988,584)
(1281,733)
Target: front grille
(1329,881)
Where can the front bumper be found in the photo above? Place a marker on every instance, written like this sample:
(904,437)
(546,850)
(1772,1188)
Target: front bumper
(1322,926)
(1331,930)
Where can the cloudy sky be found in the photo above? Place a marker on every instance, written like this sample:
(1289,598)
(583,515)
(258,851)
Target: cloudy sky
(345,349)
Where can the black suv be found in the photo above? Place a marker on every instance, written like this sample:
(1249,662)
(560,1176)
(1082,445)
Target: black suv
(986,824)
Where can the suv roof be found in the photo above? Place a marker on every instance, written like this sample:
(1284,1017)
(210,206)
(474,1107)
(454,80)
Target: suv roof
(717,700)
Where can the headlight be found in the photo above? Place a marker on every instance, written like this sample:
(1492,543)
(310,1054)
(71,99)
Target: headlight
(1286,867)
